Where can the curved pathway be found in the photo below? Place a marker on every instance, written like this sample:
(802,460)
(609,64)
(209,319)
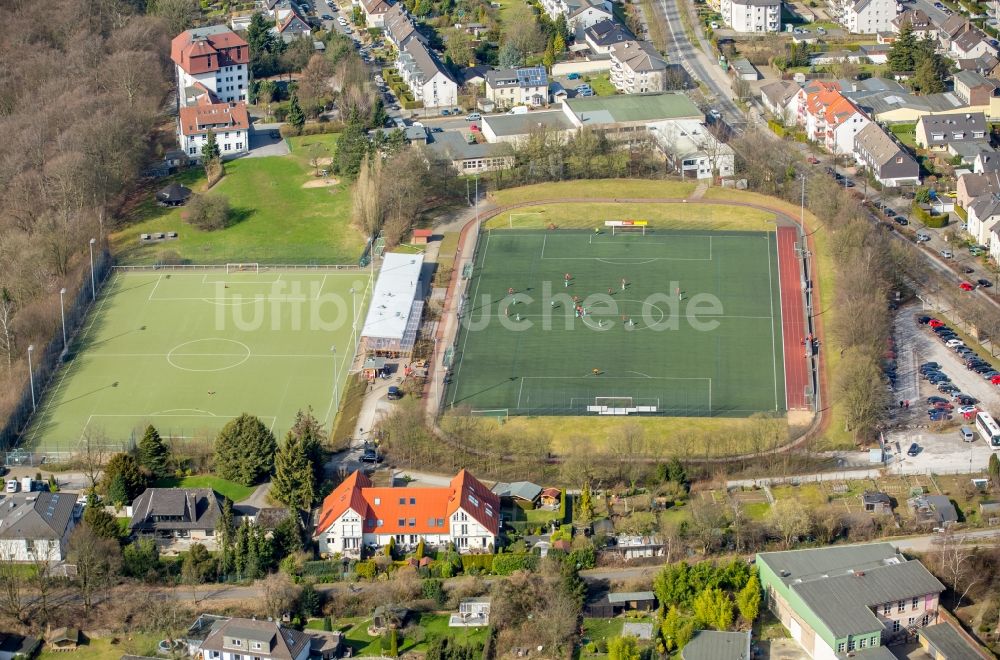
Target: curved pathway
(448,327)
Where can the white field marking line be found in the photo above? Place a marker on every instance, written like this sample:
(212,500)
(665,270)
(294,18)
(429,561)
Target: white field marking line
(319,291)
(633,263)
(545,237)
(616,315)
(519,390)
(710,396)
(205,280)
(640,239)
(781,305)
(47,401)
(252,354)
(606,377)
(154,288)
(334,386)
(475,295)
(639,373)
(176,410)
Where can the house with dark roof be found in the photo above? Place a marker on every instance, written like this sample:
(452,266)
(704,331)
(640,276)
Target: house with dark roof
(611,604)
(520,491)
(877,503)
(240,639)
(974,88)
(777,97)
(602,36)
(938,131)
(919,23)
(986,162)
(36,526)
(291,25)
(580,14)
(984,214)
(420,68)
(847,599)
(888,161)
(945,641)
(717,645)
(17,646)
(176,517)
(527,85)
(357,515)
(933,510)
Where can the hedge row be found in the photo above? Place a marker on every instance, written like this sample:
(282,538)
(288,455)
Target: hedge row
(935,220)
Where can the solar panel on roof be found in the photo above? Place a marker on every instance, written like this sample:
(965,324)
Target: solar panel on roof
(531,76)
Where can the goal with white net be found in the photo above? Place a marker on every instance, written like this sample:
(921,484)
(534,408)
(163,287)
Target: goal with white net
(243,268)
(622,405)
(627,226)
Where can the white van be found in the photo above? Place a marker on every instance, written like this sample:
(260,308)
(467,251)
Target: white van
(518,110)
(968,435)
(475,116)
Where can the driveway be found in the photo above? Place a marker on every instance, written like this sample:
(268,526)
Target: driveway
(782,649)
(263,144)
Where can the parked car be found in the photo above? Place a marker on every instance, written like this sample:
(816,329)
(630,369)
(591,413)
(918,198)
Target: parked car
(714,25)
(900,220)
(812,160)
(923,238)
(573,76)
(475,116)
(936,399)
(995,380)
(985,283)
(929,364)
(934,323)
(947,254)
(965,410)
(913,450)
(446,112)
(394,393)
(13,485)
(967,434)
(966,286)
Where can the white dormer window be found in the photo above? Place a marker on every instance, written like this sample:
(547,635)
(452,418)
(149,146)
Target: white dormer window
(256,646)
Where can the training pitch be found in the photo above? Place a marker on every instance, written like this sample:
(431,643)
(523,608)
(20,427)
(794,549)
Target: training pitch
(712,349)
(187,352)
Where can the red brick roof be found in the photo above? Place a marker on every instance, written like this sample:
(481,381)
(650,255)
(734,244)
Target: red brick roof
(197,119)
(208,49)
(411,510)
(424,233)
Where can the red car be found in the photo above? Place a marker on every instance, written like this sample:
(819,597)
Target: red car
(970,415)
(934,323)
(995,380)
(966,286)
(474,128)
(941,405)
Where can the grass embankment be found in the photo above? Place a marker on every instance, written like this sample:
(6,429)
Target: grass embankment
(274,218)
(582,215)
(350,410)
(228,489)
(595,188)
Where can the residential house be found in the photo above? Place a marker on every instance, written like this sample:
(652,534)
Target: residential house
(877,503)
(356,514)
(947,641)
(973,87)
(36,526)
(718,645)
(399,27)
(229,122)
(472,613)
(962,40)
(375,12)
(845,599)
(987,65)
(970,186)
(989,512)
(604,35)
(238,639)
(176,518)
(888,161)
(19,647)
(291,25)
(629,546)
(938,131)
(986,162)
(637,68)
(426,77)
(920,24)
(693,151)
(833,121)
(758,16)
(477,157)
(866,16)
(212,59)
(968,151)
(524,86)
(984,215)
(777,97)
(799,102)
(580,14)
(933,510)
(551,497)
(994,245)
(521,492)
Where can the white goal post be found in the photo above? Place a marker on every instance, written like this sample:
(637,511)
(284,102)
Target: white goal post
(627,226)
(243,268)
(623,405)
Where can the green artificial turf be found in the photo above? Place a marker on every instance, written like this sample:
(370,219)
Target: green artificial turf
(188,351)
(681,356)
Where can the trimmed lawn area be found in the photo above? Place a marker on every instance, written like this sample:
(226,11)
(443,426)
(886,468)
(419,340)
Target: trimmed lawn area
(300,145)
(541,515)
(102,648)
(434,625)
(233,491)
(580,215)
(274,220)
(613,188)
(757,510)
(602,85)
(906,133)
(596,630)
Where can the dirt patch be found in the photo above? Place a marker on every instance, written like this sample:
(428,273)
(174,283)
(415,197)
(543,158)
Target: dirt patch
(800,417)
(326,160)
(321,183)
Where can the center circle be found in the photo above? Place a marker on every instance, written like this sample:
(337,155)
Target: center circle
(645,304)
(205,355)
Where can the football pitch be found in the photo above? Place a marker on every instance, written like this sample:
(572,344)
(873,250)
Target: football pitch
(674,323)
(188,351)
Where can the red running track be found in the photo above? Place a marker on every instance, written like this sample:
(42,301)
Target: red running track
(793,320)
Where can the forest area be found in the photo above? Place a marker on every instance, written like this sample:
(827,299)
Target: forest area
(80,92)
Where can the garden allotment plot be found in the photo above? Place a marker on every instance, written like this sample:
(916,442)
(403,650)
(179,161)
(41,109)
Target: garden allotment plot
(711,349)
(187,351)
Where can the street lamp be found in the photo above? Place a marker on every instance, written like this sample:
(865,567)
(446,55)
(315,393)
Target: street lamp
(93,277)
(62,313)
(31,376)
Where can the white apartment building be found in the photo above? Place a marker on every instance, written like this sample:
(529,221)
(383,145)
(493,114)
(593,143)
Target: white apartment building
(424,75)
(693,151)
(637,68)
(866,16)
(211,58)
(525,86)
(228,121)
(752,15)
(356,515)
(580,14)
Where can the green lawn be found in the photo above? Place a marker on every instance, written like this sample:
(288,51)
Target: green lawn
(302,145)
(611,188)
(537,516)
(189,351)
(274,220)
(595,630)
(602,85)
(103,649)
(648,347)
(433,625)
(228,489)
(580,215)
(905,133)
(757,510)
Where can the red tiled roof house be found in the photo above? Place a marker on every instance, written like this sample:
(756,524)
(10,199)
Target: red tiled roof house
(357,515)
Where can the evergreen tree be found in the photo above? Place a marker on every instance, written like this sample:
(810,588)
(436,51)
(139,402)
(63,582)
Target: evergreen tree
(264,47)
(313,438)
(902,53)
(293,475)
(559,43)
(586,503)
(225,531)
(210,152)
(124,476)
(154,454)
(510,56)
(623,648)
(676,472)
(244,450)
(927,79)
(713,609)
(562,28)
(102,523)
(295,118)
(748,600)
(351,148)
(548,57)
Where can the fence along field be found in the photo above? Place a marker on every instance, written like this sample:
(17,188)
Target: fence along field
(612,357)
(187,351)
